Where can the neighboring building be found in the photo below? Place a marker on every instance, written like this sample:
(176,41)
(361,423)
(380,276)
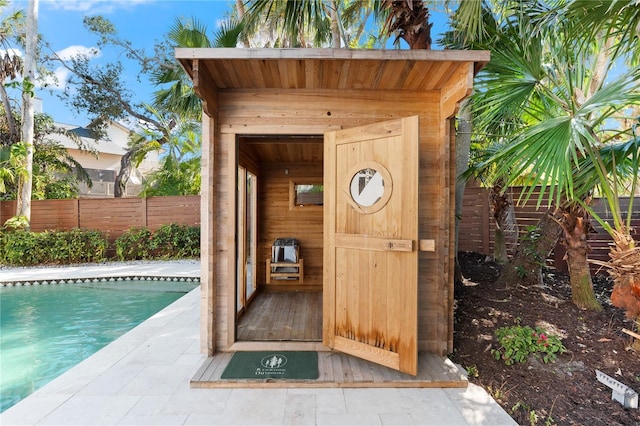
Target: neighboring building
(104,163)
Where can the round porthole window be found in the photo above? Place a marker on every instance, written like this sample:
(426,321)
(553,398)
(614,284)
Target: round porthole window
(369,187)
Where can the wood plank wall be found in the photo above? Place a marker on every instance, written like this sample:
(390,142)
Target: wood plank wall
(284,111)
(276,220)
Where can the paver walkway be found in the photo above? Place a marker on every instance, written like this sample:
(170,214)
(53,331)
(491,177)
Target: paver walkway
(143,377)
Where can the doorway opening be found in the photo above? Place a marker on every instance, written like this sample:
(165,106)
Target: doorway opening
(279,196)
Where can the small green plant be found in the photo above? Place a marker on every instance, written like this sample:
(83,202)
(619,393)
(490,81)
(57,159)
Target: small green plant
(17,222)
(176,241)
(533,418)
(497,393)
(472,371)
(517,343)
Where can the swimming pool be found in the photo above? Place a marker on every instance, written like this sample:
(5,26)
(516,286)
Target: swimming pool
(47,329)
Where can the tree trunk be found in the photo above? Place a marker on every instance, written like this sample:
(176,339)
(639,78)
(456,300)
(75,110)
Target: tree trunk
(526,265)
(11,122)
(335,25)
(625,271)
(576,226)
(462,144)
(120,184)
(411,23)
(506,232)
(25,190)
(241,11)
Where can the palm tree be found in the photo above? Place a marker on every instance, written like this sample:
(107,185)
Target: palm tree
(295,23)
(301,23)
(617,20)
(547,99)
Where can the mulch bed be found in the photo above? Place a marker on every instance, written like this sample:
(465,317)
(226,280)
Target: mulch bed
(565,392)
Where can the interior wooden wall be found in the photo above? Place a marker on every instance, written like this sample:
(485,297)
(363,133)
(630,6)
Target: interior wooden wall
(302,111)
(276,220)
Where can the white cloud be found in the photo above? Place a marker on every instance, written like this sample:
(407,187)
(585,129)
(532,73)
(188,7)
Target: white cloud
(96,6)
(11,52)
(73,51)
(57,81)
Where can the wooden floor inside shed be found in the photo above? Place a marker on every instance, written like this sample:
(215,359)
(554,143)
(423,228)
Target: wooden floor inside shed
(337,370)
(282,316)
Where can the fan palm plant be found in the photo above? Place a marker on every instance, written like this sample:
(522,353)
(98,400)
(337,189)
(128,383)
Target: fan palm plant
(568,122)
(548,100)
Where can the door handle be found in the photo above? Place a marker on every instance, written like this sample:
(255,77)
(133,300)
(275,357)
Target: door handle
(398,245)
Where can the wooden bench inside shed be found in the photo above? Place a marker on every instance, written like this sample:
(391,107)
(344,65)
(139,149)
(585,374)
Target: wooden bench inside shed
(298,272)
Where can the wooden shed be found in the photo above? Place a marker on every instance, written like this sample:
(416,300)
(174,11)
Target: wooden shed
(346,156)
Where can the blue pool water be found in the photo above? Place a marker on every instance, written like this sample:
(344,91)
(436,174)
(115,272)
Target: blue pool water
(47,329)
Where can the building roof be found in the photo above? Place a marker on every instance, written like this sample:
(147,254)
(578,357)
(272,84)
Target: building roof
(338,69)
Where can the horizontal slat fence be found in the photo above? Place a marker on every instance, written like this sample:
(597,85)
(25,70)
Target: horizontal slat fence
(113,216)
(477,226)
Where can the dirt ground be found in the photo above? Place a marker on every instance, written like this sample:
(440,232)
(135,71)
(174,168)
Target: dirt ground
(565,392)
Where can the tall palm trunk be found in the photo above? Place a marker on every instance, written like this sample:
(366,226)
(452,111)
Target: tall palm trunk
(241,12)
(576,225)
(625,271)
(462,145)
(409,19)
(504,217)
(24,194)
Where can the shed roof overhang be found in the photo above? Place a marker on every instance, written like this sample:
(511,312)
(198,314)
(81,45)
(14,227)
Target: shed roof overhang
(213,69)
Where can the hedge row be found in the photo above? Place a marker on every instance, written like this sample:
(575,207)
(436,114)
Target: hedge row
(24,248)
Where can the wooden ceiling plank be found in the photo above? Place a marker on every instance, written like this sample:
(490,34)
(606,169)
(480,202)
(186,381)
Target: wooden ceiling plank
(329,69)
(440,69)
(311,71)
(345,75)
(256,74)
(283,70)
(416,75)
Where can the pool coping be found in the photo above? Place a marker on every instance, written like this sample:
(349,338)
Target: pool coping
(54,281)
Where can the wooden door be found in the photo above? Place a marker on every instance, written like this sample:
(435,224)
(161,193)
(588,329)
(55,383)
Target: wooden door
(370,307)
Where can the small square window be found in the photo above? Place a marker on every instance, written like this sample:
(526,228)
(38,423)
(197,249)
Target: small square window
(305,194)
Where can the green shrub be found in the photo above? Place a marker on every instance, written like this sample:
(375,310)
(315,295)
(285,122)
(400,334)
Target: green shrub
(517,343)
(23,248)
(20,248)
(176,241)
(82,245)
(168,242)
(135,244)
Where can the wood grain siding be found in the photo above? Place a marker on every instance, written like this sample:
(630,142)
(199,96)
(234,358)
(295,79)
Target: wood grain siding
(281,111)
(208,234)
(112,216)
(258,92)
(276,220)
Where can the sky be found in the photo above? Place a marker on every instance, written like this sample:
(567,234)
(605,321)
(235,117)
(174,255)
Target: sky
(143,22)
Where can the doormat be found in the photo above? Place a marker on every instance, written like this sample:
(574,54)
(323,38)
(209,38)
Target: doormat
(272,365)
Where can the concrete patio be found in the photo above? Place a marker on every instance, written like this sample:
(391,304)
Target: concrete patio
(142,378)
